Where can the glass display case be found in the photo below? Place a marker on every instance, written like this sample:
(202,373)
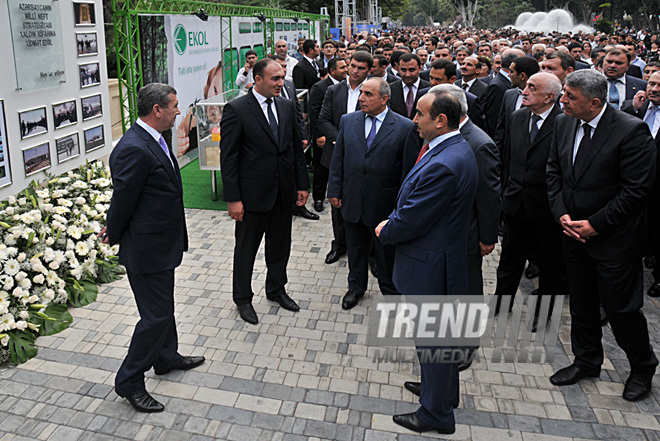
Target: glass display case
(209,113)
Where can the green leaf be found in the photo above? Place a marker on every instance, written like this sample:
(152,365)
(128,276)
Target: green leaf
(58,319)
(21,346)
(84,295)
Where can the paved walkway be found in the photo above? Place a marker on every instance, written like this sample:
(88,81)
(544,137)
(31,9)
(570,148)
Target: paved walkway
(298,376)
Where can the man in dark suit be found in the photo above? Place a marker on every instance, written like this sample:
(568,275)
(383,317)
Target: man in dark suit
(469,81)
(429,227)
(646,105)
(405,93)
(306,72)
(339,100)
(492,99)
(599,175)
(337,73)
(522,68)
(264,174)
(527,218)
(615,65)
(147,220)
(329,51)
(375,150)
(380,70)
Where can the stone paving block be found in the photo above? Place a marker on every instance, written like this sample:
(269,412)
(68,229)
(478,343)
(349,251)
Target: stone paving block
(567,429)
(230,415)
(524,423)
(63,433)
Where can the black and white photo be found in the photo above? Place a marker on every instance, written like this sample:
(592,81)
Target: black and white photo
(67,147)
(94,138)
(86,43)
(89,74)
(64,114)
(84,14)
(91,107)
(5,172)
(32,122)
(36,158)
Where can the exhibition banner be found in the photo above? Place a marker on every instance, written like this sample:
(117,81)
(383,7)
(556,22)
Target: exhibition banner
(193,55)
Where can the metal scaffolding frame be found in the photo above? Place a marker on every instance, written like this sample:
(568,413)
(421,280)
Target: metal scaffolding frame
(127,37)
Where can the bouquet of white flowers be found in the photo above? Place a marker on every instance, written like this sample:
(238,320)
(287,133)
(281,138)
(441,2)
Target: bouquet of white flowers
(50,255)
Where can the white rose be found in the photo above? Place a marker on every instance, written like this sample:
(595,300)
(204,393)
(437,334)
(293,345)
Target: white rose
(22,201)
(50,241)
(21,325)
(39,278)
(11,200)
(21,257)
(5,340)
(49,294)
(53,265)
(20,276)
(24,315)
(10,210)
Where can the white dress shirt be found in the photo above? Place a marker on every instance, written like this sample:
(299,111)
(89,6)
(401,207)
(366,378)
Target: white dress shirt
(415,89)
(244,78)
(620,87)
(438,139)
(264,106)
(353,95)
(540,122)
(656,119)
(379,122)
(580,132)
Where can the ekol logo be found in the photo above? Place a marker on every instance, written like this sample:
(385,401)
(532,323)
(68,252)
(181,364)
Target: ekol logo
(183,39)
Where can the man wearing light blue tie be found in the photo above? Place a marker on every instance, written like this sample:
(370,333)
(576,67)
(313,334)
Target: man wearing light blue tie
(620,86)
(374,151)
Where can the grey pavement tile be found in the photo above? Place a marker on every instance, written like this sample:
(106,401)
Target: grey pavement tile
(321,429)
(524,423)
(230,415)
(320,397)
(187,407)
(242,386)
(243,433)
(267,421)
(582,414)
(567,428)
(473,417)
(603,431)
(63,433)
(276,391)
(376,405)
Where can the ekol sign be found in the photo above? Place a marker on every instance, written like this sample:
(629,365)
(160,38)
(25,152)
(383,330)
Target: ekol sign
(182,39)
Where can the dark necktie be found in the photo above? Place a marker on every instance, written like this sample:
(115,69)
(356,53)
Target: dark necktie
(372,132)
(535,128)
(272,122)
(422,151)
(410,100)
(614,94)
(316,66)
(465,86)
(582,148)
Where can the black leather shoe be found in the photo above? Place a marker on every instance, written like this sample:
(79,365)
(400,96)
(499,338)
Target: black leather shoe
(411,422)
(143,402)
(374,269)
(333,256)
(654,290)
(350,300)
(285,302)
(248,314)
(638,386)
(571,375)
(414,387)
(318,206)
(305,213)
(183,364)
(464,366)
(532,271)
(649,262)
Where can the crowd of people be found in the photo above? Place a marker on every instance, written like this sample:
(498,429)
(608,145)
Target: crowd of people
(429,144)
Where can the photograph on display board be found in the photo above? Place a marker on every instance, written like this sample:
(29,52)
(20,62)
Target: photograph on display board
(32,122)
(67,147)
(65,114)
(91,107)
(89,74)
(83,14)
(5,173)
(86,43)
(94,138)
(36,158)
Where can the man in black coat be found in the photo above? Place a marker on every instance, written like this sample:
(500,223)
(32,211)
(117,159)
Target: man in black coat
(306,72)
(469,81)
(406,93)
(639,106)
(615,65)
(337,73)
(264,173)
(491,101)
(599,175)
(147,220)
(527,216)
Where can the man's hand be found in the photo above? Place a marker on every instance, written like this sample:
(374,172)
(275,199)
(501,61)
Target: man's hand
(380,227)
(568,230)
(236,210)
(638,100)
(302,198)
(583,228)
(320,142)
(305,143)
(335,202)
(103,235)
(247,67)
(486,249)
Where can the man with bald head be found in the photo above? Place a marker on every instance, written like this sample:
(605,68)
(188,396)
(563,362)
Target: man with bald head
(282,49)
(494,95)
(527,216)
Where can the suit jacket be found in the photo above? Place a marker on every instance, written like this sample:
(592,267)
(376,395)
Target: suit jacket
(508,107)
(633,85)
(628,108)
(398,102)
(429,225)
(256,167)
(291,90)
(316,94)
(635,71)
(485,213)
(146,216)
(478,87)
(610,190)
(492,101)
(304,74)
(581,65)
(526,187)
(367,181)
(425,75)
(333,108)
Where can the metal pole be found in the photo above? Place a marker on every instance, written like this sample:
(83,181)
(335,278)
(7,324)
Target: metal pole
(214,185)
